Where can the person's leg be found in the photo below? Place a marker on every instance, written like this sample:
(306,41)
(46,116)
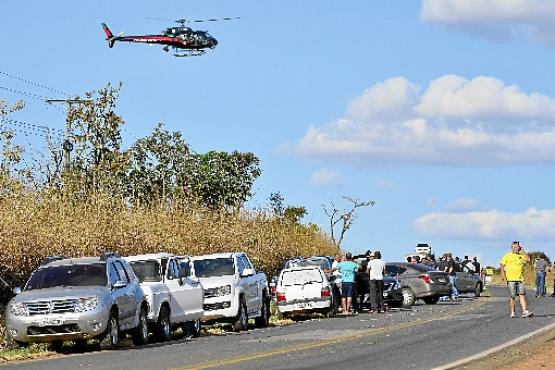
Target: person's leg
(379,293)
(344,304)
(348,306)
(522,299)
(373,300)
(512,294)
(512,304)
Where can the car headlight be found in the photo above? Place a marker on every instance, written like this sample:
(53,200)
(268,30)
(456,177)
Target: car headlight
(19,309)
(223,290)
(86,304)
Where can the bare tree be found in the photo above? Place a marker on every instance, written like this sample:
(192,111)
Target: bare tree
(343,218)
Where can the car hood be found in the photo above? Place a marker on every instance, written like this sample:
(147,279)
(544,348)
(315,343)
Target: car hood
(216,281)
(58,293)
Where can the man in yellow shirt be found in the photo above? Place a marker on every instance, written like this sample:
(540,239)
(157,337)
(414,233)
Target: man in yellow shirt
(512,267)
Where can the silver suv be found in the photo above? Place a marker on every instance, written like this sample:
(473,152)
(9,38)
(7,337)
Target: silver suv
(79,299)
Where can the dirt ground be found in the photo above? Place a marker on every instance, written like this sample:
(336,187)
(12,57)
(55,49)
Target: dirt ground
(535,353)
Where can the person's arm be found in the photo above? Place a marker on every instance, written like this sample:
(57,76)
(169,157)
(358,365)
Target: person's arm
(526,255)
(502,270)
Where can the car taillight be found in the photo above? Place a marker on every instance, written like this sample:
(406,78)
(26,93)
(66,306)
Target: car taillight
(280,296)
(425,278)
(325,292)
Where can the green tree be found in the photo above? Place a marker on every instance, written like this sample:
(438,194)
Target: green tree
(159,167)
(99,163)
(220,180)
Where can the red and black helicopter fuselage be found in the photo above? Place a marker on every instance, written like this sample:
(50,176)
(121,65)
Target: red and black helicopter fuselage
(181,39)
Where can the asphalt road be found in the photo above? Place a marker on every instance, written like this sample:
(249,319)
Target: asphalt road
(421,338)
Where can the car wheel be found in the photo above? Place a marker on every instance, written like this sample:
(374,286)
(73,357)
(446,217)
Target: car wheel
(21,344)
(408,297)
(140,334)
(111,337)
(264,319)
(242,319)
(164,325)
(478,290)
(57,345)
(431,300)
(193,328)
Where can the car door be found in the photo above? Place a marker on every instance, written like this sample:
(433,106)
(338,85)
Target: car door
(192,289)
(464,281)
(117,293)
(129,303)
(247,283)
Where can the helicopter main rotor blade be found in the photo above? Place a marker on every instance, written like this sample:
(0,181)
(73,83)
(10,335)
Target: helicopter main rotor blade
(183,20)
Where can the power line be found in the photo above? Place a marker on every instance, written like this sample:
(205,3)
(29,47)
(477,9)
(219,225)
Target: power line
(24,93)
(33,83)
(29,126)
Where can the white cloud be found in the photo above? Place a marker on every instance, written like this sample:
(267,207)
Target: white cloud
(495,19)
(531,224)
(454,121)
(462,205)
(325,177)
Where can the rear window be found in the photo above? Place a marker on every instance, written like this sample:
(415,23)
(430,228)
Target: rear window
(323,263)
(301,277)
(147,271)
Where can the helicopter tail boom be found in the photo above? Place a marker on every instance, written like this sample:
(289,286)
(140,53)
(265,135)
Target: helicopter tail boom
(109,35)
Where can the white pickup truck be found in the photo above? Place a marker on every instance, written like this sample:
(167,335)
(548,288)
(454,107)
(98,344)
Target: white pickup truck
(233,290)
(175,296)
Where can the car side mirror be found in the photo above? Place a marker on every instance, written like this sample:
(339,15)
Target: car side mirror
(16,291)
(247,272)
(118,285)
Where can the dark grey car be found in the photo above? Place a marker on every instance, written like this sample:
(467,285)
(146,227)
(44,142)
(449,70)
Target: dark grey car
(467,281)
(419,281)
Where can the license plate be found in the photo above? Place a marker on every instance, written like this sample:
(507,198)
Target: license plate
(384,294)
(51,322)
(441,280)
(303,305)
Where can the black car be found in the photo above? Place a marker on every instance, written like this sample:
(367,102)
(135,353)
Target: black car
(392,294)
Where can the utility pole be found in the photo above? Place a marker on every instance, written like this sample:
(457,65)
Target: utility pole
(68,145)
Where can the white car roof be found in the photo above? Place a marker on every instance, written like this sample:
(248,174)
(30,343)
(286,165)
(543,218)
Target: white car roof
(215,255)
(301,268)
(149,256)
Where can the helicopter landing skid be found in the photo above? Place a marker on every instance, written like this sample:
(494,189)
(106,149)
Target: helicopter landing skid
(189,54)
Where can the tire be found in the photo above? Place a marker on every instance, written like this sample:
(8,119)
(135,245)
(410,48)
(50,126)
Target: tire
(163,329)
(242,319)
(21,344)
(264,319)
(478,290)
(57,345)
(329,313)
(193,328)
(111,337)
(431,300)
(80,344)
(140,333)
(408,297)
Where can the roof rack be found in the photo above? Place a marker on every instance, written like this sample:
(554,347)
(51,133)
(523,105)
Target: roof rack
(107,254)
(49,259)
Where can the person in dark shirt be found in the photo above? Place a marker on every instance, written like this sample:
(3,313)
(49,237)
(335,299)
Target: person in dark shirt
(477,266)
(362,283)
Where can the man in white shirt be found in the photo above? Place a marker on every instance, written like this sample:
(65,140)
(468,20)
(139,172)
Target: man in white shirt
(376,269)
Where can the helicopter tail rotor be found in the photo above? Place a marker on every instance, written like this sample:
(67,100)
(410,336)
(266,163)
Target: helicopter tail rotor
(110,36)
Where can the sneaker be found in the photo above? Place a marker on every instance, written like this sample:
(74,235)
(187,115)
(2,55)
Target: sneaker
(513,315)
(527,313)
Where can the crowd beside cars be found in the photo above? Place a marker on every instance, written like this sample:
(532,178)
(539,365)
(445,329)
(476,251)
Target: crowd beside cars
(150,296)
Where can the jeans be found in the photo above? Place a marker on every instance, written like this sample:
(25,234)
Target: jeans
(540,283)
(453,281)
(376,295)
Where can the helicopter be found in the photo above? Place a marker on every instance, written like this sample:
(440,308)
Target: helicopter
(184,41)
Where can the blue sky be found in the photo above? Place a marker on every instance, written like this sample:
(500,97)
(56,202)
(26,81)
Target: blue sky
(440,111)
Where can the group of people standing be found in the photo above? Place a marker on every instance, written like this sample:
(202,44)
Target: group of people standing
(360,280)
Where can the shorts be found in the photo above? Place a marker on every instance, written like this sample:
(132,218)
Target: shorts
(347,290)
(516,288)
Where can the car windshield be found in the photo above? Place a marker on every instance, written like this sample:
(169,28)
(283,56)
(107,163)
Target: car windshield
(301,277)
(68,275)
(147,271)
(214,267)
(323,263)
